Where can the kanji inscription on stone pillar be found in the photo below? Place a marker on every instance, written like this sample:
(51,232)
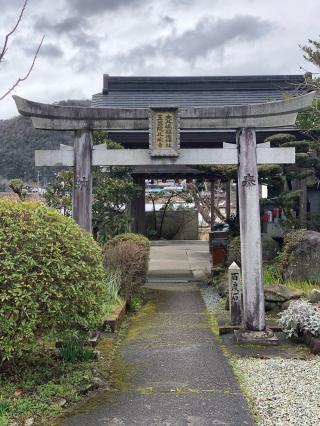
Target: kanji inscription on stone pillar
(235,297)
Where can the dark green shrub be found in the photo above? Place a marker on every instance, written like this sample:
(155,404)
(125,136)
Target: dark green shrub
(130,236)
(270,249)
(234,226)
(234,251)
(280,138)
(128,253)
(292,240)
(299,259)
(51,276)
(300,146)
(135,303)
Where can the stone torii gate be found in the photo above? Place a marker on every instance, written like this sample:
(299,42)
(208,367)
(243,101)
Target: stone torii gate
(164,125)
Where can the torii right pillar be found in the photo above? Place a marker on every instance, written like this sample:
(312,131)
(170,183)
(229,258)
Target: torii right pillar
(250,232)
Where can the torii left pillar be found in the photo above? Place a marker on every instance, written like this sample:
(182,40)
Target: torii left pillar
(82,185)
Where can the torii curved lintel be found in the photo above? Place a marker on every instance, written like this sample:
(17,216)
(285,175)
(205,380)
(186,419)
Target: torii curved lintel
(263,115)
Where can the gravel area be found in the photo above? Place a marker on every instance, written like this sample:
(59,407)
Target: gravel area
(211,298)
(285,391)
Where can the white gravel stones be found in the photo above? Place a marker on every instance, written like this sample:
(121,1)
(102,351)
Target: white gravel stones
(285,391)
(211,298)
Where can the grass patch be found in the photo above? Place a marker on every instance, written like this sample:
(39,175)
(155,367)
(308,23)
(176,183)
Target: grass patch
(135,303)
(73,350)
(272,276)
(37,384)
(3,420)
(35,391)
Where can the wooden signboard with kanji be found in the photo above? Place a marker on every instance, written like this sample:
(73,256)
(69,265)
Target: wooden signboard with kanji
(164,132)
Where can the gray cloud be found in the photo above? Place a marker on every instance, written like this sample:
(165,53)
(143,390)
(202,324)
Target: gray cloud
(208,35)
(82,40)
(47,50)
(150,37)
(12,4)
(94,7)
(71,27)
(181,2)
(85,63)
(67,25)
(51,51)
(166,19)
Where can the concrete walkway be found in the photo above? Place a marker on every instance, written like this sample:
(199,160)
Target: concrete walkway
(182,260)
(179,376)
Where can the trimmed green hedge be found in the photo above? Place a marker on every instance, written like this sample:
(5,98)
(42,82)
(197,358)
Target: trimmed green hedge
(51,276)
(130,236)
(280,138)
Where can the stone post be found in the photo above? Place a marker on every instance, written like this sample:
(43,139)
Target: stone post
(250,232)
(82,185)
(235,294)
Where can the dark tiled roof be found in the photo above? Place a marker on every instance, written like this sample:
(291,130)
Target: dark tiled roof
(195,91)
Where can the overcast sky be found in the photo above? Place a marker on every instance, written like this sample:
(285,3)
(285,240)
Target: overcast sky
(86,38)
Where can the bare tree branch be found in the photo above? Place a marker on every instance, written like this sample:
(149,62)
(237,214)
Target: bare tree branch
(203,204)
(5,49)
(6,40)
(20,79)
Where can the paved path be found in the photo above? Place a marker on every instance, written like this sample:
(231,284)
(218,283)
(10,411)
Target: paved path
(179,260)
(180,376)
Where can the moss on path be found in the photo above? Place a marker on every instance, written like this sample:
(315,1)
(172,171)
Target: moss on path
(169,370)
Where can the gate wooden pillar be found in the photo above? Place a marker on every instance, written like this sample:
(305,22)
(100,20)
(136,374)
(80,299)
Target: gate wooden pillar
(212,212)
(212,204)
(138,213)
(250,231)
(82,185)
(228,199)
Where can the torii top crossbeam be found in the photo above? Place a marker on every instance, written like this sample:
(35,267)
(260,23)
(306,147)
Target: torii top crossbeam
(265,115)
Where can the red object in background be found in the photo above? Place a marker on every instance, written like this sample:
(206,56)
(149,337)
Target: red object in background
(265,217)
(219,250)
(219,255)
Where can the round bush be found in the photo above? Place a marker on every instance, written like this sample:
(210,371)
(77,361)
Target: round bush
(51,276)
(130,236)
(128,253)
(280,138)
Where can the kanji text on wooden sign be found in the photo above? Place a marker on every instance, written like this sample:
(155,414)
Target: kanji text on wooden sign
(164,131)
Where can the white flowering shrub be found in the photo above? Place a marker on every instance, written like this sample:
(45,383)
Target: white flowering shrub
(313,324)
(301,316)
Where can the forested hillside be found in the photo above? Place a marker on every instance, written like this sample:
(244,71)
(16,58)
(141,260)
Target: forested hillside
(19,140)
